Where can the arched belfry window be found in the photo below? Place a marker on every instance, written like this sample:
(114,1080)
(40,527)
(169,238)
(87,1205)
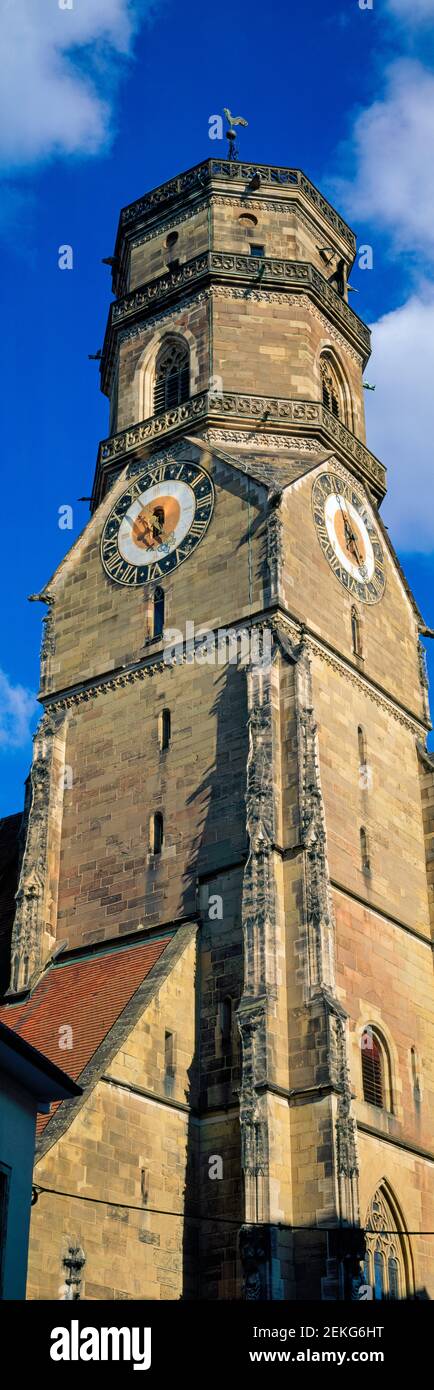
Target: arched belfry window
(172,375)
(334,395)
(388,1265)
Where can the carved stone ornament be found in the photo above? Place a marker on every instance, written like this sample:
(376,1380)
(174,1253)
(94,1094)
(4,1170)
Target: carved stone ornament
(296,414)
(32,930)
(255,1253)
(259,934)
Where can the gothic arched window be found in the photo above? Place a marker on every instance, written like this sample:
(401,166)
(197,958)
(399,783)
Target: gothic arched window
(334,392)
(172,375)
(374,1069)
(388,1263)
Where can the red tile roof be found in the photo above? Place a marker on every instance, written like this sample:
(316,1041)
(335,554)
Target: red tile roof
(88,994)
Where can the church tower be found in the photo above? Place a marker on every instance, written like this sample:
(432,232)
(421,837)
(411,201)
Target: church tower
(224,913)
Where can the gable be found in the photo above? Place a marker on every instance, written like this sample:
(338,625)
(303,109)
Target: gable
(315,596)
(82,1008)
(97,625)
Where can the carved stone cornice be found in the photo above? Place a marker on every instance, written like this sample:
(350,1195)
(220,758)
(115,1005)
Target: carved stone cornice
(229,267)
(232,266)
(306,417)
(274,179)
(287,630)
(290,626)
(69,699)
(294,443)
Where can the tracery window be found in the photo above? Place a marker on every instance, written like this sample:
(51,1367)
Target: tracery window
(331,393)
(172,375)
(388,1260)
(334,389)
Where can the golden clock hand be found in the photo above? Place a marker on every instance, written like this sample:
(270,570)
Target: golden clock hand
(350,537)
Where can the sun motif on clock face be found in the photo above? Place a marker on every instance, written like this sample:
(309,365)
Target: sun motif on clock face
(348,537)
(157,521)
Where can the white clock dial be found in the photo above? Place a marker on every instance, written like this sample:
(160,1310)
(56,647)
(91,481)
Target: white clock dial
(348,537)
(157,521)
(341,519)
(139,540)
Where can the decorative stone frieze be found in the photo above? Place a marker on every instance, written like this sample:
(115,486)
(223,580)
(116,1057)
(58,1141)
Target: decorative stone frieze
(232,172)
(263,441)
(306,416)
(226,265)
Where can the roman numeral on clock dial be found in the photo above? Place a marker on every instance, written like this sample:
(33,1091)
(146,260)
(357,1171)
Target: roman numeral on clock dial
(163,514)
(348,537)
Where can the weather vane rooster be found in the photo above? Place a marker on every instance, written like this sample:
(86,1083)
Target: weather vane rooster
(230,134)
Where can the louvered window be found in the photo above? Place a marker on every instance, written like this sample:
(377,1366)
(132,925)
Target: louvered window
(172,377)
(372,1069)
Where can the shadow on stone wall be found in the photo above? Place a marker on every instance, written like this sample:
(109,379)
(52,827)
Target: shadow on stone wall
(213,1205)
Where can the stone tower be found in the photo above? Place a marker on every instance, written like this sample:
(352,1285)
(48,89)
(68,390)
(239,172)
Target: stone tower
(226,886)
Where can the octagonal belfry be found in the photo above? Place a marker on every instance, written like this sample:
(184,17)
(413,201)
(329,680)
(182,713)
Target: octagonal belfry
(253,280)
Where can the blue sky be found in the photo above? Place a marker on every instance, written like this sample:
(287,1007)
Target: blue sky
(103,99)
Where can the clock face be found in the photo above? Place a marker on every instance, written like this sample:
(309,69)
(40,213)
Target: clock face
(348,537)
(157,522)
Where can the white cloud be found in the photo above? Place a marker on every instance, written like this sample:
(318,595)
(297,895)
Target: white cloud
(412,11)
(60,68)
(17,708)
(392,184)
(400,418)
